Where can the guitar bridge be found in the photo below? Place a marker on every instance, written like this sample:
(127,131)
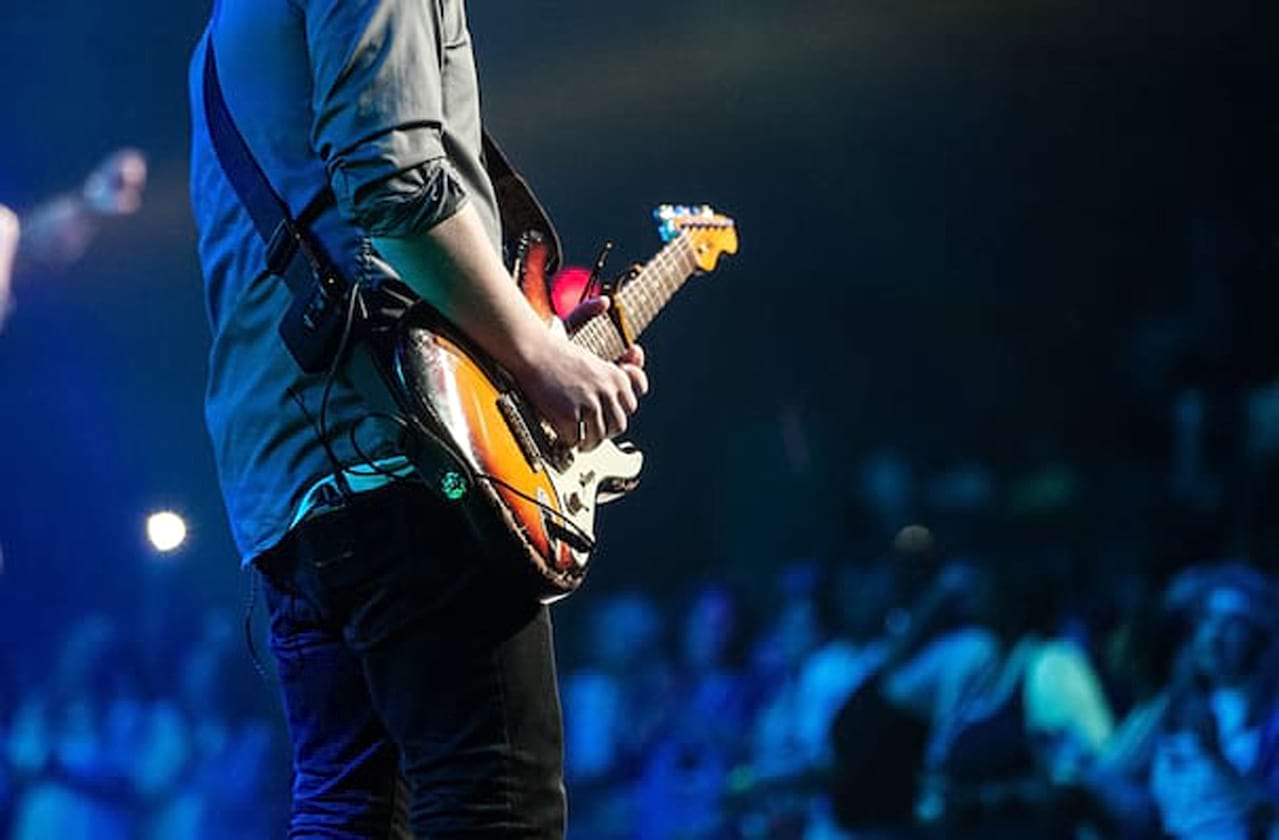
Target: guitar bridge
(559,455)
(536,439)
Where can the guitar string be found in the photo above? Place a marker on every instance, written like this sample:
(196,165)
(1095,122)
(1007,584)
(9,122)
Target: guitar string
(664,284)
(648,298)
(640,292)
(661,265)
(669,283)
(664,262)
(657,294)
(643,294)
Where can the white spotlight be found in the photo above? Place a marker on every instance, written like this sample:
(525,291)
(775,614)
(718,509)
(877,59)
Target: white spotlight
(166,531)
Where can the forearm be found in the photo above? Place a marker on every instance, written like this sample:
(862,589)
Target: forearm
(454,267)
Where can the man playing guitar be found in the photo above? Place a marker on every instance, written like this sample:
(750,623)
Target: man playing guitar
(418,681)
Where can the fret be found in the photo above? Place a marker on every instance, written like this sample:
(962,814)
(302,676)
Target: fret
(646,295)
(642,298)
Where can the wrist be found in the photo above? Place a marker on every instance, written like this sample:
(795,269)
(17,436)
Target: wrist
(528,352)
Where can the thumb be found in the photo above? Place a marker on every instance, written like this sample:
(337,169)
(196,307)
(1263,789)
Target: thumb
(585,311)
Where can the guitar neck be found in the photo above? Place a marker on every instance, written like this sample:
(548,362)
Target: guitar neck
(641,298)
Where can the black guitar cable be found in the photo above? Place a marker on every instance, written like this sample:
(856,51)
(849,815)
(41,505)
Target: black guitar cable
(339,471)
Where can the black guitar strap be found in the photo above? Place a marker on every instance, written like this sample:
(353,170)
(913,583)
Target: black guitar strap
(312,327)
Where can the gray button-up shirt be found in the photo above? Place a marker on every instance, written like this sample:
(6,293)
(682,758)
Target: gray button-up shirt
(376,98)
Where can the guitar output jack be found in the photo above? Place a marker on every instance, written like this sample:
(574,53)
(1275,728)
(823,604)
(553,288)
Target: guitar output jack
(453,484)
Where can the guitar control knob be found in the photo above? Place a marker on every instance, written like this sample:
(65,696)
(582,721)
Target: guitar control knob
(574,504)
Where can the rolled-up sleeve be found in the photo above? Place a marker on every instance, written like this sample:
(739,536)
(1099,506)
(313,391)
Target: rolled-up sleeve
(378,112)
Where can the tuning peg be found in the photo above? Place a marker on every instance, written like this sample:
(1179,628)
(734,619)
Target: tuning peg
(664,215)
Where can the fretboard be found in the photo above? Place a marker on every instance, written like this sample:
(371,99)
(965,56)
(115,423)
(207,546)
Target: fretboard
(641,298)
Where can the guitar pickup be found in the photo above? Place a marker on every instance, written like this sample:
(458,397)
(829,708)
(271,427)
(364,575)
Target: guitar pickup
(514,418)
(537,442)
(556,454)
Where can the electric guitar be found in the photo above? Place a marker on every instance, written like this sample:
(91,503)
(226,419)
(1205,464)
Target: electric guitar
(521,482)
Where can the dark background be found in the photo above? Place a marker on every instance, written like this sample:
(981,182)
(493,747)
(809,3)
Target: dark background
(1002,231)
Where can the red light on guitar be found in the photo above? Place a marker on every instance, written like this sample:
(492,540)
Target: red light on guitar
(567,289)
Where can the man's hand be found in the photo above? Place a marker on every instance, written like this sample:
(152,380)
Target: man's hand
(59,230)
(114,187)
(457,270)
(585,399)
(631,361)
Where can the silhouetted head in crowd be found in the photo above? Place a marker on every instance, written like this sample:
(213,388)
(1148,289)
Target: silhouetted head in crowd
(88,664)
(1018,597)
(713,630)
(886,490)
(860,595)
(207,686)
(625,630)
(1233,612)
(798,622)
(1139,651)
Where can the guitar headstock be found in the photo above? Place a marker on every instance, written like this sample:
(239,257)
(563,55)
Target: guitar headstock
(712,234)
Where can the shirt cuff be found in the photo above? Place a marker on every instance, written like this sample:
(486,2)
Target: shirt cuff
(404,203)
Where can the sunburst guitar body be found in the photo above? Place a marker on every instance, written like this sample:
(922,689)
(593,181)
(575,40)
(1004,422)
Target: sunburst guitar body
(528,492)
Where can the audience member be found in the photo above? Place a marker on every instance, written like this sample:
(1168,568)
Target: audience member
(686,775)
(614,706)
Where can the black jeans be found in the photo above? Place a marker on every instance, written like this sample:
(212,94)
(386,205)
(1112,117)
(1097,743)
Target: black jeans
(419,685)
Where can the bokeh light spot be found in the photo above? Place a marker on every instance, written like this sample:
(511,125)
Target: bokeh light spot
(166,531)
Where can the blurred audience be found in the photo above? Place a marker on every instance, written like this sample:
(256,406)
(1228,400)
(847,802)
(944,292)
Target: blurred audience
(1034,686)
(685,775)
(913,696)
(101,750)
(614,707)
(1201,757)
(1029,716)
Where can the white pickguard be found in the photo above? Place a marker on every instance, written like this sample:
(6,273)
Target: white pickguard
(581,486)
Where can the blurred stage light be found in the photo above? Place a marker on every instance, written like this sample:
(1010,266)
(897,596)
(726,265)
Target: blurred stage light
(166,530)
(567,289)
